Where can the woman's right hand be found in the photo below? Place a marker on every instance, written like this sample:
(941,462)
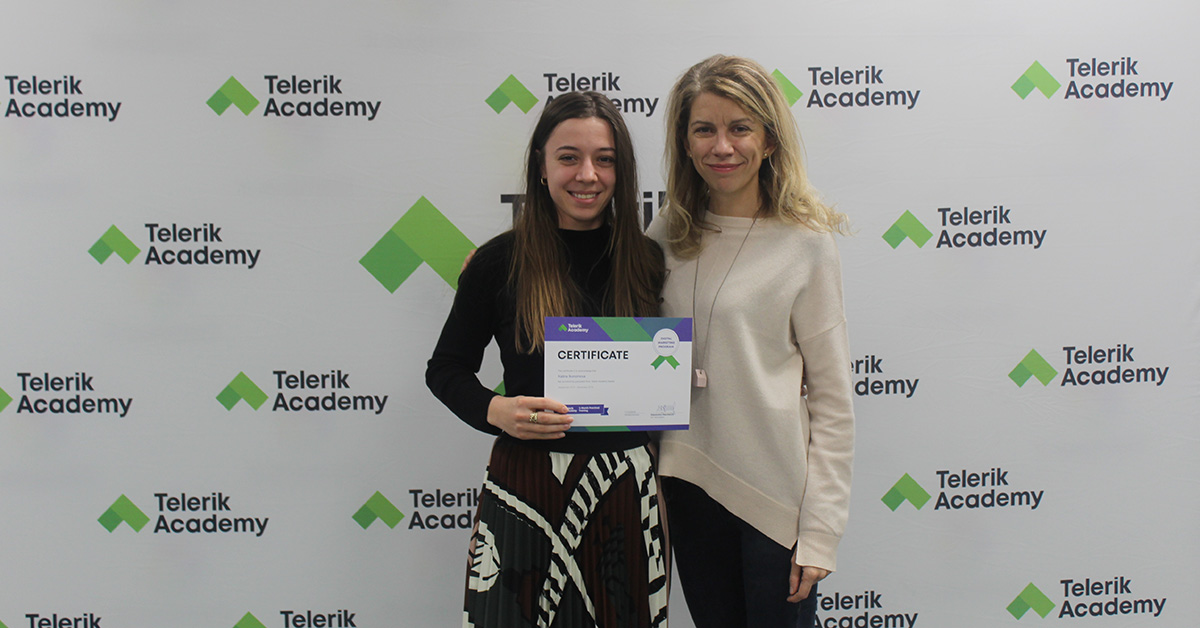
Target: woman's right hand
(529,418)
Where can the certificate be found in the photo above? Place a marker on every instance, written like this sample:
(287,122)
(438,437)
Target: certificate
(620,373)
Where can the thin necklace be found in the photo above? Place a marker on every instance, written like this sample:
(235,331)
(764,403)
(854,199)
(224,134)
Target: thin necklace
(700,376)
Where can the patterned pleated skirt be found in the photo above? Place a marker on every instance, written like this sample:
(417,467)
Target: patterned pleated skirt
(567,541)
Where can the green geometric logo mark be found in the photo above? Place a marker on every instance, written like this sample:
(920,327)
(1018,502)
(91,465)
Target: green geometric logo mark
(123,510)
(249,621)
(907,226)
(905,489)
(113,241)
(1036,77)
(1031,597)
(622,329)
(232,93)
(422,235)
(378,507)
(5,399)
(511,91)
(790,91)
(242,389)
(2,625)
(1033,365)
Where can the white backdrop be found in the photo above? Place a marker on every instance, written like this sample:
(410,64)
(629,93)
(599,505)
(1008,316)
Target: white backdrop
(1105,186)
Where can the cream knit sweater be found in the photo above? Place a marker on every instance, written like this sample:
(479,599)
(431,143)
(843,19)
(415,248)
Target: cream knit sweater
(777,460)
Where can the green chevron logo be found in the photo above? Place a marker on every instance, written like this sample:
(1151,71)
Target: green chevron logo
(907,226)
(1032,365)
(511,91)
(790,91)
(1036,77)
(660,360)
(113,241)
(123,510)
(232,93)
(242,389)
(422,235)
(1030,597)
(5,399)
(249,621)
(378,507)
(905,489)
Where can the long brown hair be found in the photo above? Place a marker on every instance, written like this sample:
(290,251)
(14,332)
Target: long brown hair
(539,265)
(784,188)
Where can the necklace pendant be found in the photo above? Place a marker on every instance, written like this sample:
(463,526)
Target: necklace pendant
(699,378)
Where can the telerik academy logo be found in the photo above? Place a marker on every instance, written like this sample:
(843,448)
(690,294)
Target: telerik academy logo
(863,88)
(242,389)
(1036,77)
(1032,365)
(1030,597)
(378,507)
(907,227)
(172,245)
(232,93)
(963,489)
(305,103)
(965,228)
(906,489)
(5,399)
(123,510)
(1094,78)
(1091,365)
(52,107)
(789,89)
(322,392)
(52,394)
(114,241)
(511,91)
(1106,598)
(422,235)
(249,621)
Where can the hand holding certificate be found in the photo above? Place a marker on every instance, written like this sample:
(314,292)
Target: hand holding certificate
(620,373)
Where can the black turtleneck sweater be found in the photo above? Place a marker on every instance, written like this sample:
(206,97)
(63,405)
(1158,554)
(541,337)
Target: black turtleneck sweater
(485,309)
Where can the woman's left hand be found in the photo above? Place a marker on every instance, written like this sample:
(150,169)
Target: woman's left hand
(802,580)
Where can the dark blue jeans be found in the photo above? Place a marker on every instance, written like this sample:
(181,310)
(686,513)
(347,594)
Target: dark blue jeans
(732,575)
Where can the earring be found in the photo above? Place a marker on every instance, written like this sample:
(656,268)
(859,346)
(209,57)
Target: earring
(543,180)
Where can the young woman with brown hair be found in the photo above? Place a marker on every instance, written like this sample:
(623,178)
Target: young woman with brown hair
(568,530)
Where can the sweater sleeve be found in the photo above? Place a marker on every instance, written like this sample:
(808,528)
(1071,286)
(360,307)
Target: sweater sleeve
(826,354)
(452,372)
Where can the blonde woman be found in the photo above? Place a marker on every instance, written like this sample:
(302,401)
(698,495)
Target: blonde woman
(758,488)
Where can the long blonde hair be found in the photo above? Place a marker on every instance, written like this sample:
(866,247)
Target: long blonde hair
(539,270)
(784,188)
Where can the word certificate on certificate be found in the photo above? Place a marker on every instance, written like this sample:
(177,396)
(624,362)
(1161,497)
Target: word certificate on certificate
(621,373)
